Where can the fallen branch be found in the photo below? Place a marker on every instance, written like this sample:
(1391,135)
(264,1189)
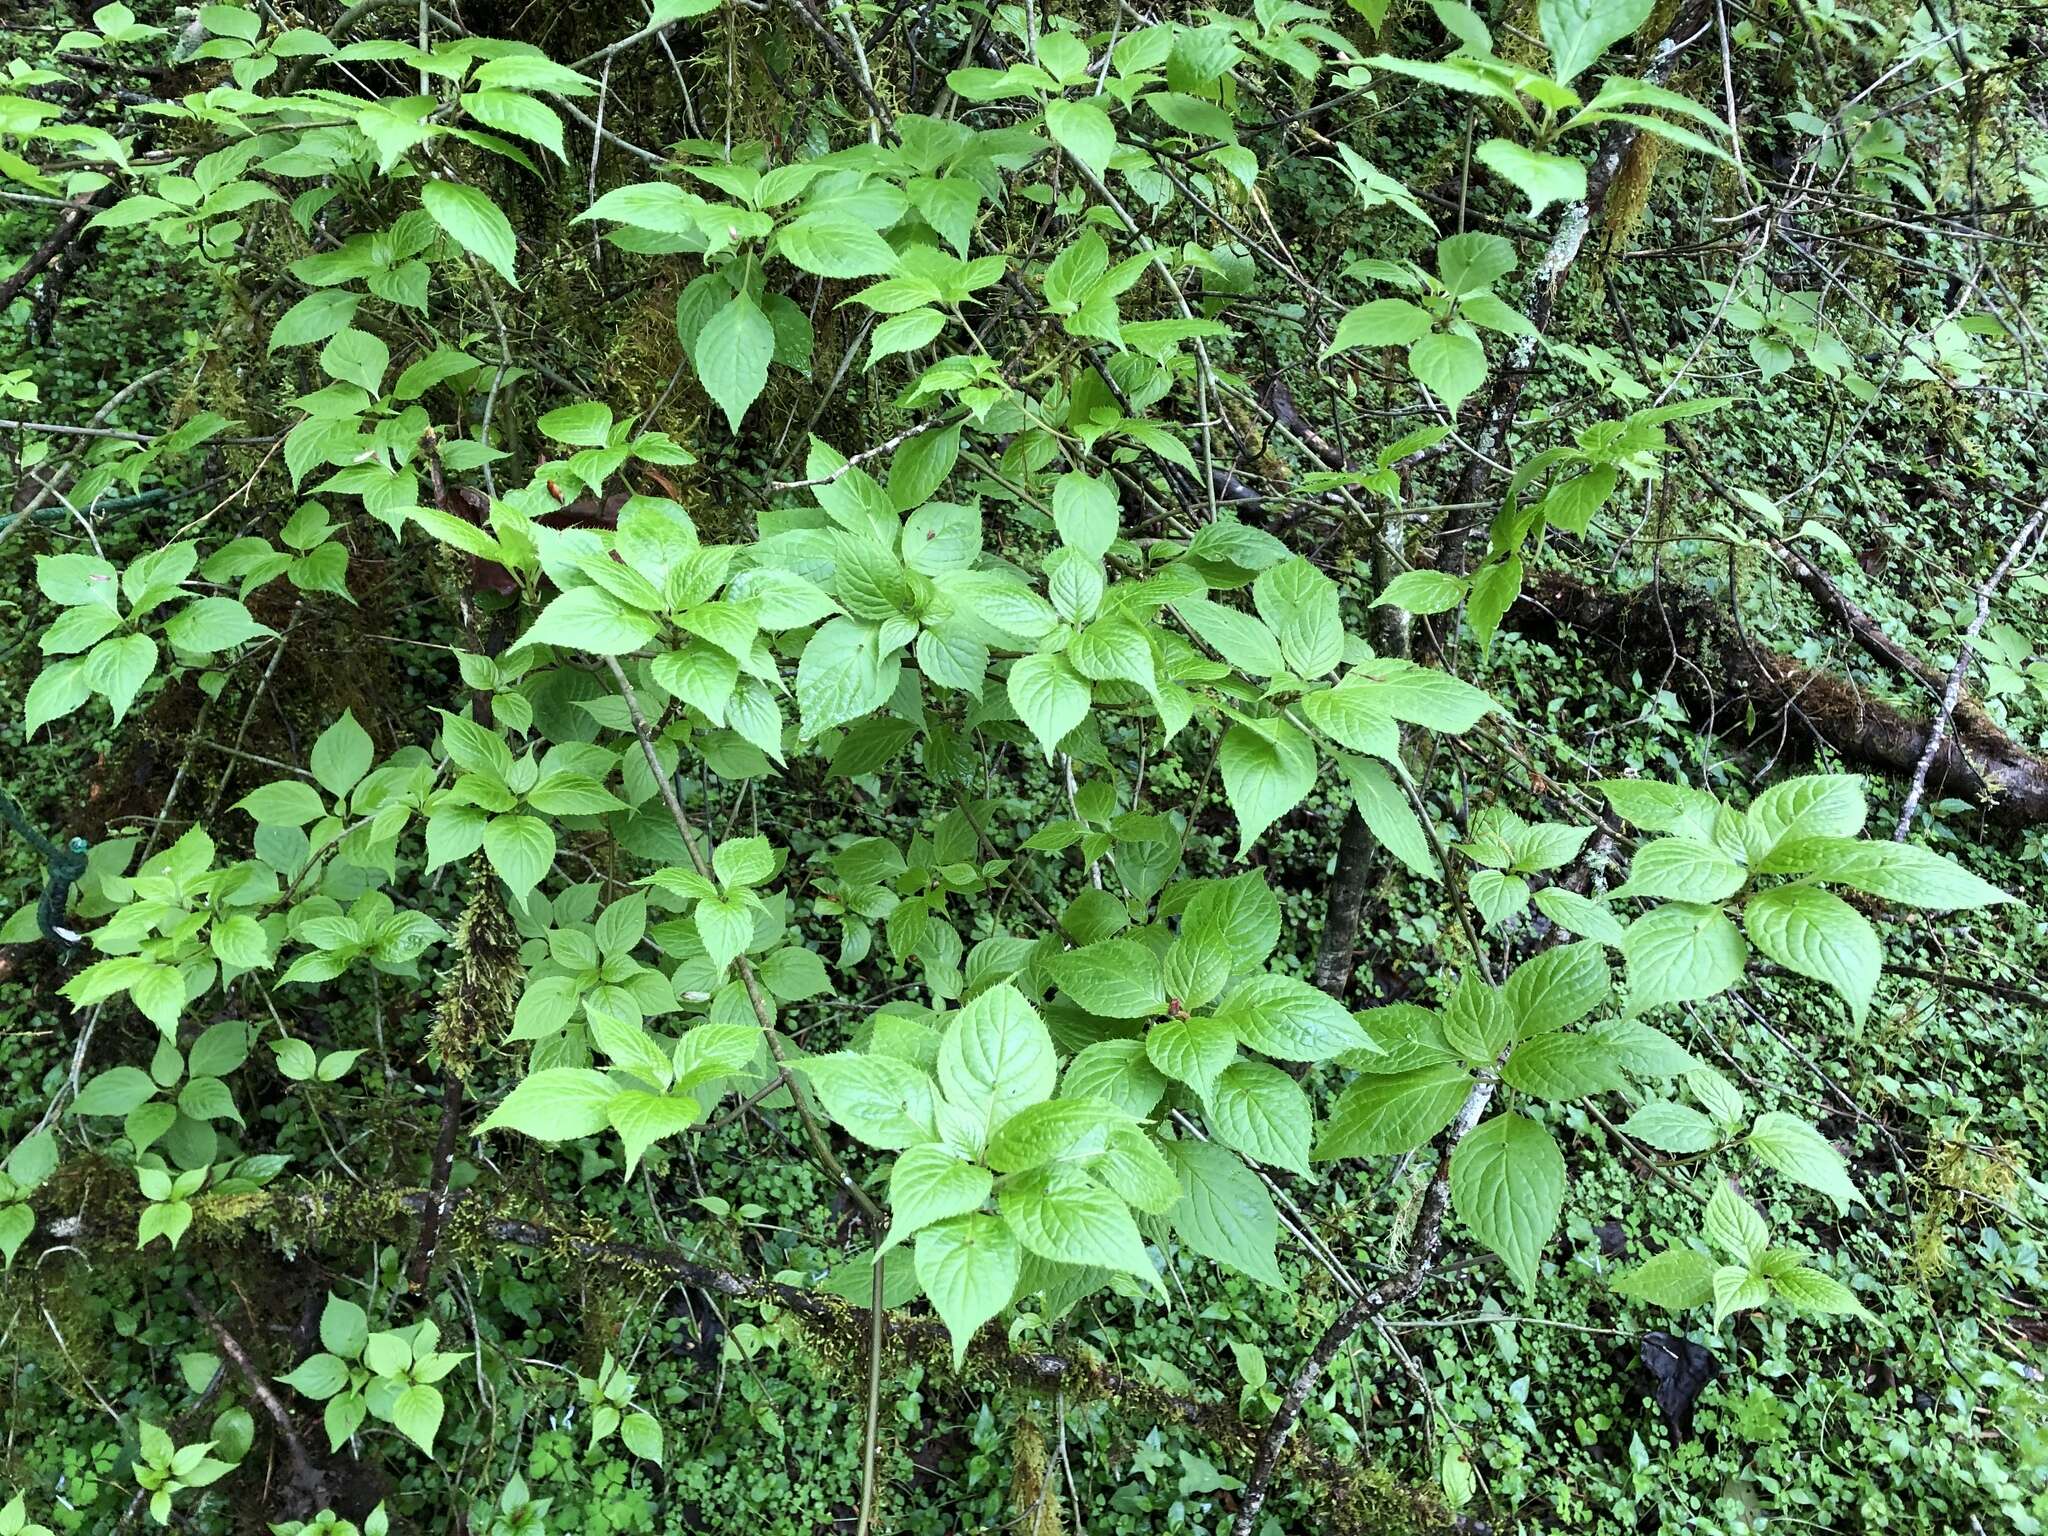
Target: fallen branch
(284,1212)
(1964,655)
(1716,670)
(311,1483)
(71,224)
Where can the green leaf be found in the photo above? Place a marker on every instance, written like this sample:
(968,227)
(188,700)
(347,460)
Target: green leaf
(1191,1051)
(996,1057)
(1268,768)
(1262,1112)
(1299,604)
(832,245)
(1381,323)
(342,755)
(1732,1224)
(417,1415)
(554,1104)
(584,425)
(1818,935)
(318,1376)
(641,1119)
(1812,805)
(1679,953)
(1473,263)
(1803,1155)
(55,693)
(219,1050)
(1497,896)
(1240,915)
(211,624)
(1085,511)
(1737,1290)
(1224,1212)
(562,793)
(1050,697)
(515,113)
(1238,638)
(357,357)
(1543,179)
(842,675)
(1117,1072)
(1385,808)
(521,849)
(732,356)
(904,333)
(1060,1130)
(725,924)
(475,223)
(1682,869)
(1395,1113)
(115,1091)
(1558,987)
(120,665)
(882,1101)
(1507,1185)
(1678,1279)
(1559,1067)
(1675,1128)
(1578,31)
(286,803)
(1659,807)
(1289,1020)
(968,1266)
(16,1222)
(743,861)
(1116,979)
(1452,367)
(1422,592)
(591,619)
(1903,872)
(207,1098)
(1579,914)
(1062,1214)
(1811,1291)
(1424,696)
(641,1432)
(1084,131)
(314,318)
(928,1184)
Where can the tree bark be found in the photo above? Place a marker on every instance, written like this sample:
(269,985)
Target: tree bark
(1722,676)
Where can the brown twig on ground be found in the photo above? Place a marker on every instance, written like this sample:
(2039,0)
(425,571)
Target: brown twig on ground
(308,1478)
(1725,676)
(1966,653)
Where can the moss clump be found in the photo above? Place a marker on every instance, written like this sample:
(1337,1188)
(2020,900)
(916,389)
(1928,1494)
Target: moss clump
(480,989)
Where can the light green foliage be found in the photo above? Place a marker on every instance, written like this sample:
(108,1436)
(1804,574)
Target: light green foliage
(1751,1273)
(389,1375)
(164,1469)
(880,520)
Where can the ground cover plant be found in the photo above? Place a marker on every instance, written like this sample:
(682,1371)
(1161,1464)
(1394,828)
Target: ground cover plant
(937,767)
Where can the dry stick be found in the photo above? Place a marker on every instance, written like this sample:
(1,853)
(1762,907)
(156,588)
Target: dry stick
(70,225)
(258,1383)
(1079,1378)
(1429,1224)
(57,476)
(820,1148)
(444,1164)
(1429,1234)
(1964,657)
